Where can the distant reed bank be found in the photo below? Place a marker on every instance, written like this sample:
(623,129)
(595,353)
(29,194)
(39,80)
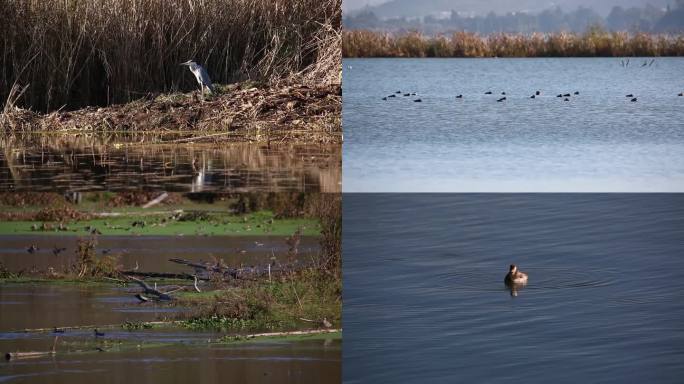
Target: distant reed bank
(593,43)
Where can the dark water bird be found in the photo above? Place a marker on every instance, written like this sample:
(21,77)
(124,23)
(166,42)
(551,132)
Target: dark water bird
(503,93)
(56,251)
(576,92)
(634,100)
(681,94)
(488,93)
(538,93)
(58,330)
(32,249)
(417,101)
(630,95)
(644,64)
(407,94)
(384,98)
(413,94)
(459,96)
(559,95)
(397,92)
(392,96)
(533,97)
(98,333)
(501,99)
(106,251)
(567,95)
(514,276)
(566,99)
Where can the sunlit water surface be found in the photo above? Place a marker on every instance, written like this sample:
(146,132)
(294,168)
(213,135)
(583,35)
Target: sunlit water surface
(425,301)
(596,141)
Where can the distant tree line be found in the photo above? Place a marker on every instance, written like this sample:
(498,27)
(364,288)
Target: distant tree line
(647,19)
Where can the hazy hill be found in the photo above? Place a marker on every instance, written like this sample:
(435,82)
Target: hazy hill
(414,8)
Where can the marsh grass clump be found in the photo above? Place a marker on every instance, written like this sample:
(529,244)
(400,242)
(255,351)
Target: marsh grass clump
(285,301)
(595,42)
(76,53)
(266,305)
(89,265)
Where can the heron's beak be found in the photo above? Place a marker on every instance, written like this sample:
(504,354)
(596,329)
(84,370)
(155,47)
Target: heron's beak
(186,63)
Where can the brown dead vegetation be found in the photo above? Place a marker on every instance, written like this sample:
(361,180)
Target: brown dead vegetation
(276,113)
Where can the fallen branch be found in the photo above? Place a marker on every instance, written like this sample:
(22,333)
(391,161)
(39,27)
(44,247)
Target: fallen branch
(156,200)
(32,355)
(294,333)
(149,290)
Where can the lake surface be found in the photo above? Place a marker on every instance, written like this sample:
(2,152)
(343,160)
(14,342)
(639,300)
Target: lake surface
(424,298)
(597,141)
(91,163)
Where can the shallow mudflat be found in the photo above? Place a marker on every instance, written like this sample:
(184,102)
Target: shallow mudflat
(150,253)
(131,352)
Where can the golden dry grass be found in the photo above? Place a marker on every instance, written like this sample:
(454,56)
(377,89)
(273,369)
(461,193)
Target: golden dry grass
(594,43)
(75,53)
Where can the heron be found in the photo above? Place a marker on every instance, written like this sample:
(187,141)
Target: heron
(201,75)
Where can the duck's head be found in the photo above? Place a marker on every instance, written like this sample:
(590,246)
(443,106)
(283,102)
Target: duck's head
(513,268)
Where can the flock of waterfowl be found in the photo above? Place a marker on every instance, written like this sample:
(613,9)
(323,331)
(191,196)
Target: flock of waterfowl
(564,96)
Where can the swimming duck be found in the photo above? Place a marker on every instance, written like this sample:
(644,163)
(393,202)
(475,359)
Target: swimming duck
(630,95)
(538,93)
(566,99)
(488,93)
(533,97)
(681,94)
(634,100)
(417,101)
(58,330)
(515,277)
(97,333)
(559,95)
(566,95)
(502,99)
(384,98)
(576,92)
(459,96)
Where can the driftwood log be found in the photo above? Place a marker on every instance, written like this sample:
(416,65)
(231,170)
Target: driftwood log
(205,271)
(150,291)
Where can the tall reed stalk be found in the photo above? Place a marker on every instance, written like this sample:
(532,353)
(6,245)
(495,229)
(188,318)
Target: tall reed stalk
(98,52)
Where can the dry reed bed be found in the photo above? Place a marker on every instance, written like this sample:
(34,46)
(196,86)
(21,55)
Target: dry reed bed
(283,113)
(75,53)
(595,42)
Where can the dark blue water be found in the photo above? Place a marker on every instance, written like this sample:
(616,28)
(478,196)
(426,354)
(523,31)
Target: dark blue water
(424,299)
(597,141)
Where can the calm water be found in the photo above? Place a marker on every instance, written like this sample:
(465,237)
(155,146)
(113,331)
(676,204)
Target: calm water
(596,141)
(151,253)
(424,299)
(57,163)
